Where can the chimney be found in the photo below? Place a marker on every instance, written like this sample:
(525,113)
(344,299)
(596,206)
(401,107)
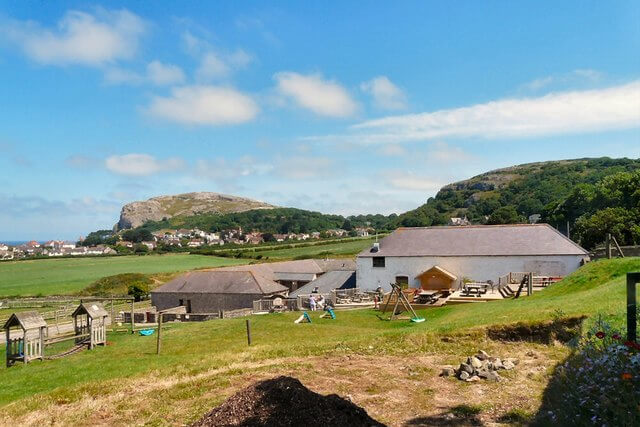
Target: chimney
(376,247)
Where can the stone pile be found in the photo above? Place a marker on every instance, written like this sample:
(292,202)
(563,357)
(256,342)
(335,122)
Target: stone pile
(480,366)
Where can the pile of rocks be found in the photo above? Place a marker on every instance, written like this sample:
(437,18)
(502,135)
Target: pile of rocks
(480,366)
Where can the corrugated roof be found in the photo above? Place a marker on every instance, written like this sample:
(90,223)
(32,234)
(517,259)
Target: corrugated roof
(481,240)
(221,282)
(327,282)
(26,320)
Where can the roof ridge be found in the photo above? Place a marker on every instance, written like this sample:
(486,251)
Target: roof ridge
(462,227)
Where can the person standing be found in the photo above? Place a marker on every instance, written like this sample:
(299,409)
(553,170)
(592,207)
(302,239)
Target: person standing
(312,303)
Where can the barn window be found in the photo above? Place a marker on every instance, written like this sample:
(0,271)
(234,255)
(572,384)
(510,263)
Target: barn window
(378,261)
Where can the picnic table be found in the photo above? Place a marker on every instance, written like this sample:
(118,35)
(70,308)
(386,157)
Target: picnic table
(426,297)
(478,289)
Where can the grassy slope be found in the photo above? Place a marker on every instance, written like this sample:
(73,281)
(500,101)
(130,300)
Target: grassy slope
(338,249)
(60,276)
(192,348)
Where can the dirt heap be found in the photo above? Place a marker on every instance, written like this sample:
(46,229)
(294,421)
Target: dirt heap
(284,401)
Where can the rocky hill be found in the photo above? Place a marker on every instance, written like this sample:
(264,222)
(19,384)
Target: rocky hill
(512,194)
(159,208)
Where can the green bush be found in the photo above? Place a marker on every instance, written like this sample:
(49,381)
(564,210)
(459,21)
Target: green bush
(118,285)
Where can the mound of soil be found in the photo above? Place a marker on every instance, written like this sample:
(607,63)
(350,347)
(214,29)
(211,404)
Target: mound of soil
(284,401)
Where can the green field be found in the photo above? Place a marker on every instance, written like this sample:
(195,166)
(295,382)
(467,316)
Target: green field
(341,249)
(201,362)
(69,275)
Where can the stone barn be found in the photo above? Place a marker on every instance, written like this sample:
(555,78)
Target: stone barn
(211,291)
(444,257)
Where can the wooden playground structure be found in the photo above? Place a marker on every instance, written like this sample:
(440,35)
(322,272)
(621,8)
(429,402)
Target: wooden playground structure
(28,334)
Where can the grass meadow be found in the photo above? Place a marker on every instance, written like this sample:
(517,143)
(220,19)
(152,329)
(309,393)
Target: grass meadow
(42,277)
(390,368)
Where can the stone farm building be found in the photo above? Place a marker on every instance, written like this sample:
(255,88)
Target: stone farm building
(231,288)
(427,256)
(212,291)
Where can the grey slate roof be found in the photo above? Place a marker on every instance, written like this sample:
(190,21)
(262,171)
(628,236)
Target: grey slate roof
(221,282)
(476,240)
(95,310)
(25,319)
(288,270)
(327,282)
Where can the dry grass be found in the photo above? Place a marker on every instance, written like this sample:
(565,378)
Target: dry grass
(395,390)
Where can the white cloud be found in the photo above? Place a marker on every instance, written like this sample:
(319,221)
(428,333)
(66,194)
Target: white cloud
(386,95)
(204,105)
(212,67)
(142,164)
(164,74)
(573,77)
(595,110)
(80,38)
(323,97)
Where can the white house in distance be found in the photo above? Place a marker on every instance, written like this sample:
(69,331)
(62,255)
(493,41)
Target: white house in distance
(477,253)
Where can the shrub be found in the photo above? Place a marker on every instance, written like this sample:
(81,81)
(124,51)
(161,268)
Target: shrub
(599,385)
(138,291)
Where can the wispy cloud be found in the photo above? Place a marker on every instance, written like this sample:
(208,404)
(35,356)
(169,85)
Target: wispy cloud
(28,206)
(575,76)
(204,105)
(79,37)
(164,74)
(135,164)
(385,94)
(304,167)
(157,73)
(314,93)
(403,180)
(557,113)
(444,153)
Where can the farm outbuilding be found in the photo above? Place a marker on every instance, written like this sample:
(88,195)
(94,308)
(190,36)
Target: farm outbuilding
(328,282)
(437,258)
(30,328)
(90,319)
(215,290)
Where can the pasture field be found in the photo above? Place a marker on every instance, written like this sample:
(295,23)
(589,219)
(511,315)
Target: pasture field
(43,277)
(336,250)
(389,368)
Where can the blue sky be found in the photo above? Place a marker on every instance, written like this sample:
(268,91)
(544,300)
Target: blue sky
(353,108)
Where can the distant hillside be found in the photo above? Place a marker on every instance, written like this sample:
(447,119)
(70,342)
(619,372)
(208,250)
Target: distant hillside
(275,220)
(165,207)
(512,194)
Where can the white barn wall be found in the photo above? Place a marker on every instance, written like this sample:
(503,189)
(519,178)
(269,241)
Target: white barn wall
(476,268)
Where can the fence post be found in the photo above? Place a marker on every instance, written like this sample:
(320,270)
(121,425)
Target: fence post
(159,342)
(608,246)
(632,280)
(132,316)
(113,319)
(248,332)
(530,284)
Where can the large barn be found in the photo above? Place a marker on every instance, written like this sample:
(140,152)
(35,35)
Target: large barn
(211,291)
(230,288)
(442,257)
